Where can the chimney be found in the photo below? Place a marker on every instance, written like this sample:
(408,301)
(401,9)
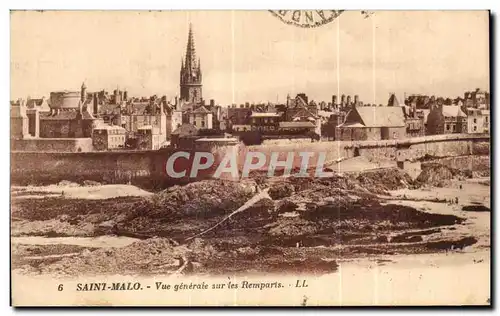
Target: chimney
(334,100)
(125,95)
(342,101)
(96,105)
(212,102)
(356,99)
(349,101)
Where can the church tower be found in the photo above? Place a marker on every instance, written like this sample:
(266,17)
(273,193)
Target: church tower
(190,79)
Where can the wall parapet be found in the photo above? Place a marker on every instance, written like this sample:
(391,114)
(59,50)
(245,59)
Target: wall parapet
(407,142)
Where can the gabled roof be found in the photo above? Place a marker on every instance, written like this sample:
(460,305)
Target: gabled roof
(376,116)
(453,110)
(299,101)
(304,113)
(393,101)
(201,110)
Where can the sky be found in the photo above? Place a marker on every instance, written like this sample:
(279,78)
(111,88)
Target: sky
(251,56)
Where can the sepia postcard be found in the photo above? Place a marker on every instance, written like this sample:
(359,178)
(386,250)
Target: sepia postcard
(250,158)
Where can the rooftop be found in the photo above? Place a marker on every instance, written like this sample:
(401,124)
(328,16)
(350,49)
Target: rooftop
(265,114)
(453,110)
(202,109)
(376,116)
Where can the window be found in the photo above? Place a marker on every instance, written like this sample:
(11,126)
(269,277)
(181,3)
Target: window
(475,121)
(447,127)
(475,128)
(202,123)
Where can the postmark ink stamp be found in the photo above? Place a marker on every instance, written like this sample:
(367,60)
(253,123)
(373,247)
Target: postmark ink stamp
(306,18)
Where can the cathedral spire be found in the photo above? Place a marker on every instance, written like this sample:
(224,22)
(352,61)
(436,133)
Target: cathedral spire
(190,76)
(190,50)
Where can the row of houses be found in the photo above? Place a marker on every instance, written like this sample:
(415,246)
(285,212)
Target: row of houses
(391,122)
(149,124)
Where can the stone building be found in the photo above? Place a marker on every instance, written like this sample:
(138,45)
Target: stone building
(477,121)
(298,104)
(184,136)
(486,118)
(238,116)
(18,120)
(446,119)
(414,118)
(265,122)
(478,98)
(107,137)
(373,123)
(68,116)
(149,138)
(415,123)
(201,118)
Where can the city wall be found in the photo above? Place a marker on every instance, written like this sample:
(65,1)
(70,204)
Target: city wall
(420,147)
(147,168)
(52,144)
(38,168)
